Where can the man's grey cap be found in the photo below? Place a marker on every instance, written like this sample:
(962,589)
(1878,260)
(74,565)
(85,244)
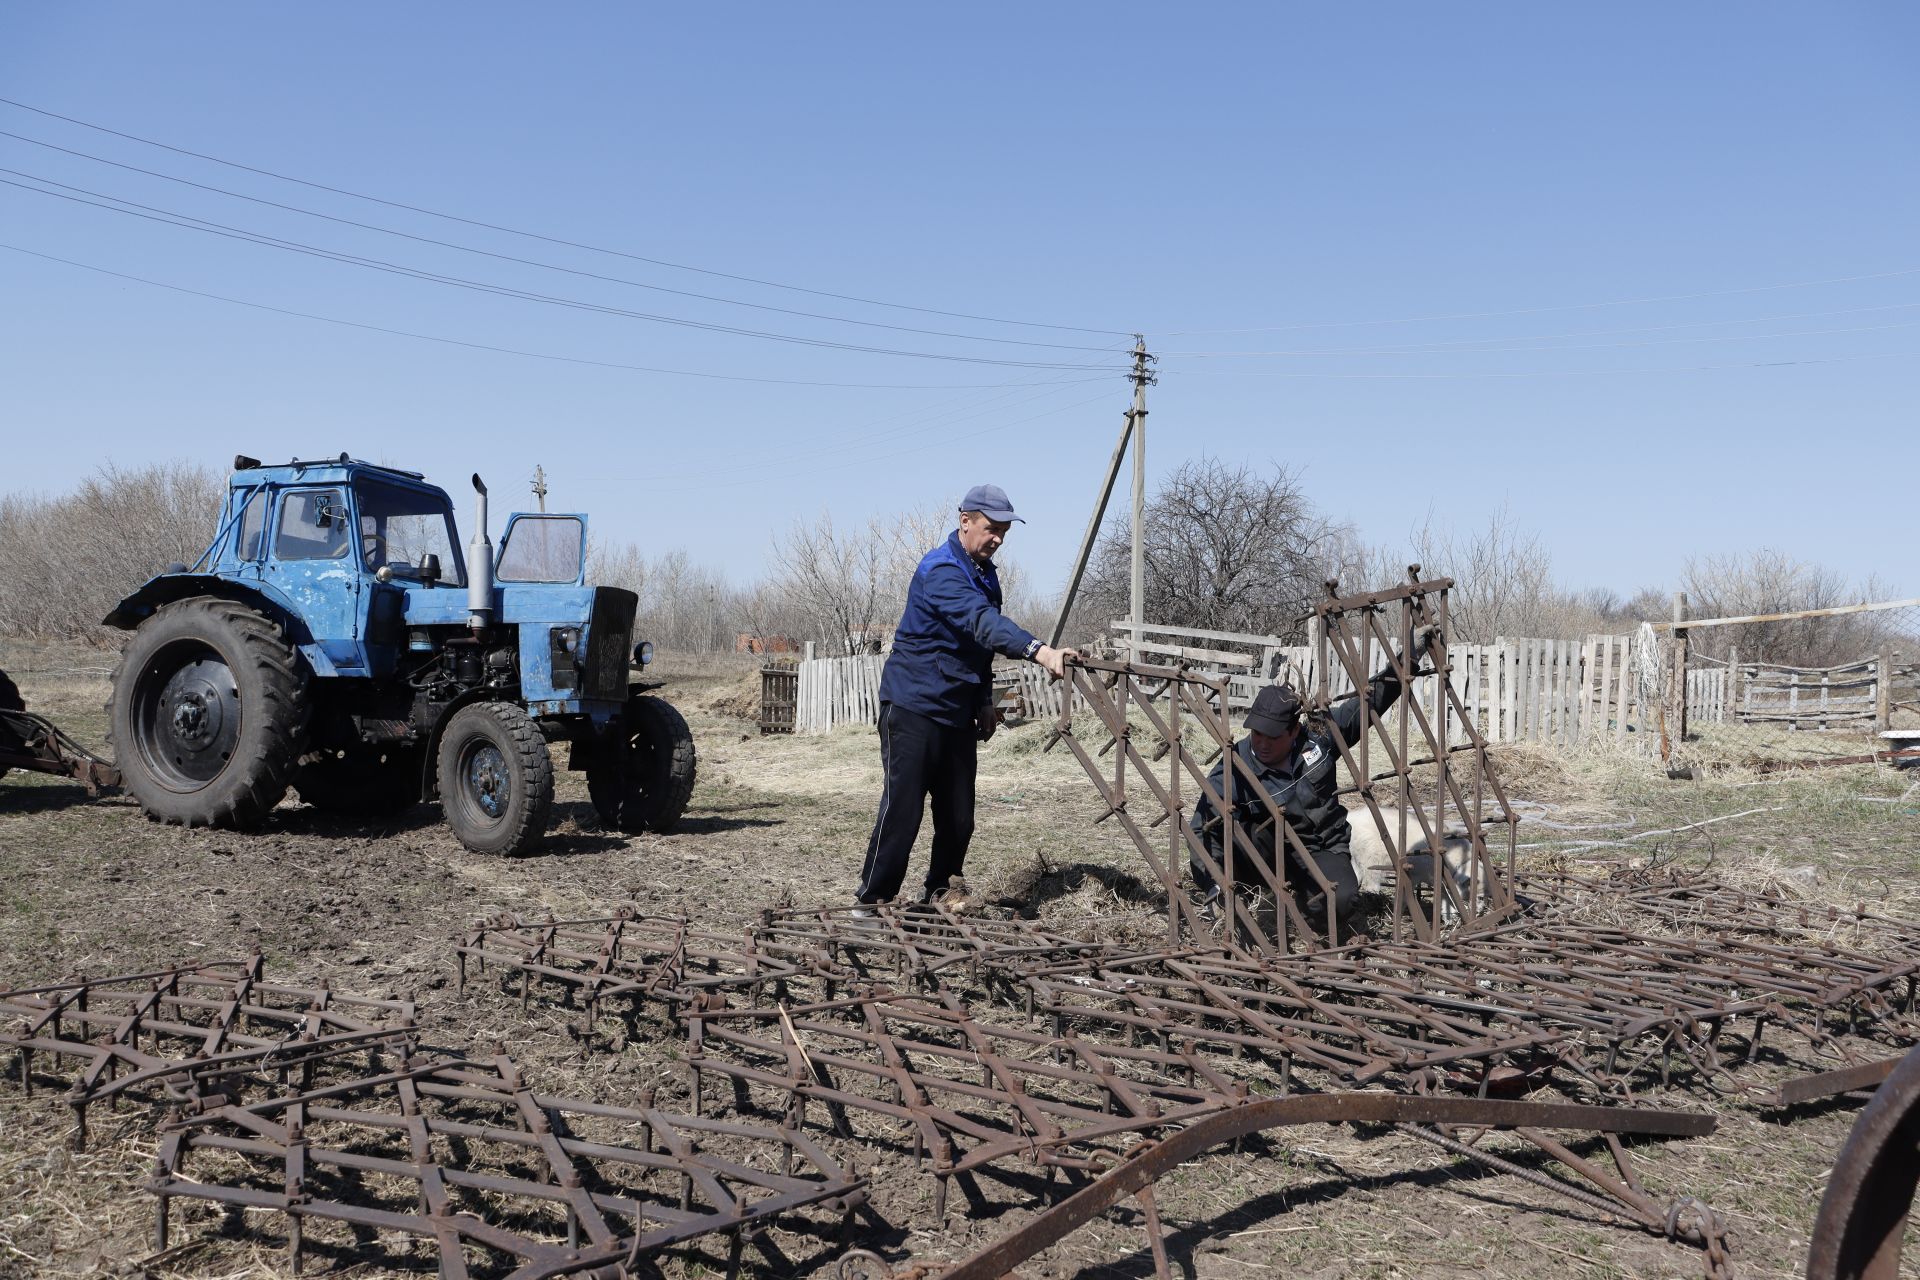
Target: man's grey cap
(991,501)
(1275,710)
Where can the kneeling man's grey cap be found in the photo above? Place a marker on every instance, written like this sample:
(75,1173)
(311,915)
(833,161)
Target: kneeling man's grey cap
(1275,710)
(990,500)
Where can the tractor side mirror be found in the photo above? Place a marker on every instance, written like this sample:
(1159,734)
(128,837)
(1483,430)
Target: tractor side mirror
(429,568)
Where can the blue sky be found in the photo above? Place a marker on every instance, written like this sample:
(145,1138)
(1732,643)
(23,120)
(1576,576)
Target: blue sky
(1646,274)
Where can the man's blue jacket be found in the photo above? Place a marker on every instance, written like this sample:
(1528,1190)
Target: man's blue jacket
(942,660)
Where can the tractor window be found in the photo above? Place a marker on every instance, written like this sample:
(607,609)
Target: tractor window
(313,525)
(400,527)
(541,549)
(253,522)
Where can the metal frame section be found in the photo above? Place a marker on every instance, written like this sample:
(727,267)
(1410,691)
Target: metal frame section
(1699,905)
(183,1034)
(792,956)
(964,1092)
(1863,1215)
(1479,892)
(1123,700)
(1423,1117)
(466,1154)
(1615,1011)
(35,743)
(1612,1009)
(920,945)
(629,958)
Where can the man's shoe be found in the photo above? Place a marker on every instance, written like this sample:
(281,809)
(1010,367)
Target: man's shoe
(863,916)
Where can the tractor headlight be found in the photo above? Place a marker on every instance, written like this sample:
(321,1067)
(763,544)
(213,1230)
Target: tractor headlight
(643,653)
(567,640)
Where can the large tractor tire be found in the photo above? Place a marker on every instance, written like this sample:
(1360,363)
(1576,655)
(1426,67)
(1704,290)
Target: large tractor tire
(496,778)
(364,782)
(10,700)
(641,781)
(209,714)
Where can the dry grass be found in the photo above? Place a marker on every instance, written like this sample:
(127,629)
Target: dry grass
(93,886)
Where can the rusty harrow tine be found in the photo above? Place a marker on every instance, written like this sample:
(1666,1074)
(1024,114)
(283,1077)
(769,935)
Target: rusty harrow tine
(975,1093)
(186,1030)
(386,1124)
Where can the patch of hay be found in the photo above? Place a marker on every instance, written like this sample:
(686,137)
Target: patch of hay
(739,698)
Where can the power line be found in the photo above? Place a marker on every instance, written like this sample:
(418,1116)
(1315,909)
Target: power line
(1470,345)
(168,217)
(1587,346)
(1547,373)
(513,351)
(882,457)
(943,418)
(554,240)
(534,262)
(1534,311)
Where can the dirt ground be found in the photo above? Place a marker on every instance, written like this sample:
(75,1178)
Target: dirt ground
(93,887)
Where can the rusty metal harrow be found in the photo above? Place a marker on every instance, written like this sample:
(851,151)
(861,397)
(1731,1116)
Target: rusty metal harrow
(467,1155)
(1164,727)
(961,1092)
(182,1034)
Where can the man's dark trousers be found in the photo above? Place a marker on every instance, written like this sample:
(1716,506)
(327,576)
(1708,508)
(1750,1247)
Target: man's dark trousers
(923,758)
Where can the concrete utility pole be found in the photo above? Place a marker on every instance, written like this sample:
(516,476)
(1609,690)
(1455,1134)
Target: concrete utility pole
(540,486)
(1141,377)
(1133,419)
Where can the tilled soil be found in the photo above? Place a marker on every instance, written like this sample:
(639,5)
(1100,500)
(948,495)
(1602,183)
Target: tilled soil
(93,887)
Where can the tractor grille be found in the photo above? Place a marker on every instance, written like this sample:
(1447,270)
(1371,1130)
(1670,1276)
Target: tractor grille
(609,644)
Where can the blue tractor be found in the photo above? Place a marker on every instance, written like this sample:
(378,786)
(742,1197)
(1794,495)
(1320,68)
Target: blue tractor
(332,639)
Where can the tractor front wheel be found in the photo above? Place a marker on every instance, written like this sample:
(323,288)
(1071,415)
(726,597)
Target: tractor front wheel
(209,714)
(642,774)
(496,778)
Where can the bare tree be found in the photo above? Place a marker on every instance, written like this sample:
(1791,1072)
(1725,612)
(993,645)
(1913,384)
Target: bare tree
(837,579)
(1766,582)
(1503,577)
(1227,549)
(64,562)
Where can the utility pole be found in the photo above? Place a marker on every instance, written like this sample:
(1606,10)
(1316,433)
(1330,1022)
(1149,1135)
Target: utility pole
(540,485)
(1138,421)
(1132,419)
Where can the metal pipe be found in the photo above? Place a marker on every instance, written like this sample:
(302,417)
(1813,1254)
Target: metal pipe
(479,563)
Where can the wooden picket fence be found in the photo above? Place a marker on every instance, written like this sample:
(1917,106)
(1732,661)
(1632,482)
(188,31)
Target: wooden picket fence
(1561,692)
(1856,696)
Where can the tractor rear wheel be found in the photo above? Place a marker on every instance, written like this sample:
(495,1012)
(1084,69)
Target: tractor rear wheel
(496,778)
(642,777)
(362,782)
(10,700)
(209,714)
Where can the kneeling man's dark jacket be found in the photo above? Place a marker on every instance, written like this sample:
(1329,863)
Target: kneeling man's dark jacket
(1303,786)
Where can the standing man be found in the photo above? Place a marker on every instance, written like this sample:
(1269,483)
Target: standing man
(936,698)
(1296,764)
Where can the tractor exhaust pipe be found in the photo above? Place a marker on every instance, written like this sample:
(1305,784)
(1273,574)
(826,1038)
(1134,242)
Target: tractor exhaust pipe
(479,563)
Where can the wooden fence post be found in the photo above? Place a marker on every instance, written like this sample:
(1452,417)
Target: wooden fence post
(1675,708)
(1883,689)
(1733,685)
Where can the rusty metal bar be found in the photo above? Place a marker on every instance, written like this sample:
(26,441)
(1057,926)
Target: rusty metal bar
(1154,1161)
(1863,1213)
